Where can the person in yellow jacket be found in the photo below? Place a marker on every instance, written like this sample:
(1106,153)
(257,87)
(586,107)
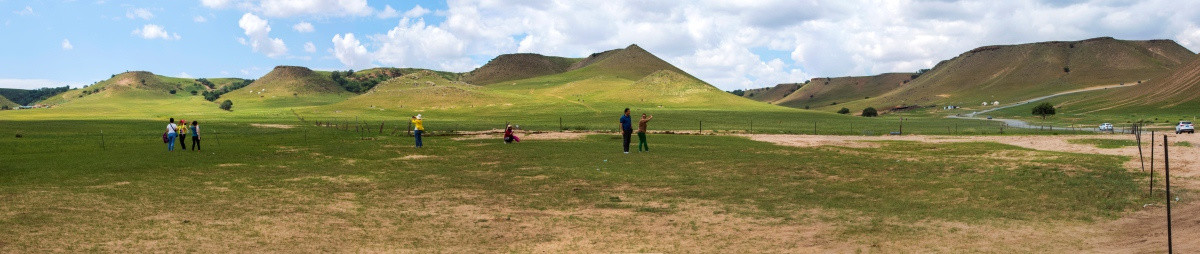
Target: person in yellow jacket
(182,129)
(418,128)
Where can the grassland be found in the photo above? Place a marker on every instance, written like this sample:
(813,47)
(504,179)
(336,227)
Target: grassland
(1105,143)
(307,188)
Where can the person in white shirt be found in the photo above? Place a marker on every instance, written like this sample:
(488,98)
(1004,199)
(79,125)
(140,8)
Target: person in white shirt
(171,134)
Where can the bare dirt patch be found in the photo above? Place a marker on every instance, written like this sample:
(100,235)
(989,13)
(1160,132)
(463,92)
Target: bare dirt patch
(525,136)
(230,164)
(1141,231)
(273,126)
(415,157)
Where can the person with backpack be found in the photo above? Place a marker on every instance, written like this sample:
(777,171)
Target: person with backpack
(195,135)
(642,132)
(626,129)
(509,136)
(418,129)
(171,134)
(182,129)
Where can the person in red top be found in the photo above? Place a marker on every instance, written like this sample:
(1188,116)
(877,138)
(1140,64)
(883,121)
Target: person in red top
(509,136)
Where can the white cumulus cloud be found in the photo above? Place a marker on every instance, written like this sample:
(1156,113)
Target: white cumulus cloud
(139,13)
(258,37)
(415,12)
(152,31)
(350,51)
(304,27)
(66,45)
(310,47)
(292,8)
(28,11)
(199,19)
(388,12)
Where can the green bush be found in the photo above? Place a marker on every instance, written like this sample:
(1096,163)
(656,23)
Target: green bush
(843,111)
(870,112)
(227,105)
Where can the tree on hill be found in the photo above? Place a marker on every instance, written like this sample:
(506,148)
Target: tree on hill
(738,92)
(870,112)
(227,105)
(843,111)
(1044,109)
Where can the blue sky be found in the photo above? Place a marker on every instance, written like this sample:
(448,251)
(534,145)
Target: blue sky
(731,44)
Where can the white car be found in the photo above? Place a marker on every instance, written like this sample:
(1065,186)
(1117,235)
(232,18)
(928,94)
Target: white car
(1185,126)
(1106,127)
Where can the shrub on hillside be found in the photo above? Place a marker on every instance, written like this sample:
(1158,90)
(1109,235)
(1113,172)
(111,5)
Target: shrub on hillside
(843,111)
(172,91)
(1044,110)
(870,112)
(227,105)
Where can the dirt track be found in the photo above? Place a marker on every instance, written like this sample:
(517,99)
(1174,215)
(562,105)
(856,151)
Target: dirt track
(1141,231)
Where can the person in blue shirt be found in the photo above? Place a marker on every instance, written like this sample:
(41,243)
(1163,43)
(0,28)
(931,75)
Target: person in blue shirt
(626,129)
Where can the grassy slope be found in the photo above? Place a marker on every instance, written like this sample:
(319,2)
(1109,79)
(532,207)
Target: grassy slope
(6,102)
(288,86)
(277,190)
(1018,72)
(518,66)
(772,94)
(824,92)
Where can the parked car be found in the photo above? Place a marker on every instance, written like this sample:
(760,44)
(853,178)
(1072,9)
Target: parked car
(1106,127)
(1185,126)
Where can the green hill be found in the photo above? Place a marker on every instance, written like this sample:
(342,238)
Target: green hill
(290,86)
(138,83)
(423,90)
(774,93)
(6,102)
(828,92)
(518,66)
(1018,72)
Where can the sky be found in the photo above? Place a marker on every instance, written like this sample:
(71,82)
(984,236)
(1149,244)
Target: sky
(734,44)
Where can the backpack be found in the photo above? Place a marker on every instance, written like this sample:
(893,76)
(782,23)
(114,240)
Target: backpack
(165,138)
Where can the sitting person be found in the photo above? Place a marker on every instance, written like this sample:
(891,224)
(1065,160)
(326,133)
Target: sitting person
(509,136)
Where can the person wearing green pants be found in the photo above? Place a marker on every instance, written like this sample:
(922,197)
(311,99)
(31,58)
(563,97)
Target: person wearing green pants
(642,132)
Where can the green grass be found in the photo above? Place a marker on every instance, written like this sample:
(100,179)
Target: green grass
(249,181)
(1104,143)
(1183,144)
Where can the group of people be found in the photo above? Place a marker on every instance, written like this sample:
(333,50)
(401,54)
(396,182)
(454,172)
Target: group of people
(180,131)
(627,130)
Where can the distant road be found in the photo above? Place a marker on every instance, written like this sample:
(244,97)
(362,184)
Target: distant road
(1022,124)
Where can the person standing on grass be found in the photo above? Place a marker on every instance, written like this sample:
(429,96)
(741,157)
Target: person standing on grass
(171,134)
(418,128)
(182,129)
(626,129)
(195,135)
(642,132)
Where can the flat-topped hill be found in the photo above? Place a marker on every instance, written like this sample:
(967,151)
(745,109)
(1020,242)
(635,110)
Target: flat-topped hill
(1011,73)
(772,94)
(510,67)
(822,92)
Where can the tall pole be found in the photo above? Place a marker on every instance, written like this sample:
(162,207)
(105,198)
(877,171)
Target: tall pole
(1167,176)
(1151,163)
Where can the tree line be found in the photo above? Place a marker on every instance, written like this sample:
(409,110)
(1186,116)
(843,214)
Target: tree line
(214,94)
(27,97)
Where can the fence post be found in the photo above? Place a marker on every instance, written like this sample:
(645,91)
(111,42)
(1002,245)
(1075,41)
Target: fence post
(560,127)
(1167,177)
(381,126)
(701,127)
(1151,163)
(102,140)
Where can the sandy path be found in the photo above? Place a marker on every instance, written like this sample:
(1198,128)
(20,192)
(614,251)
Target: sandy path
(1140,231)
